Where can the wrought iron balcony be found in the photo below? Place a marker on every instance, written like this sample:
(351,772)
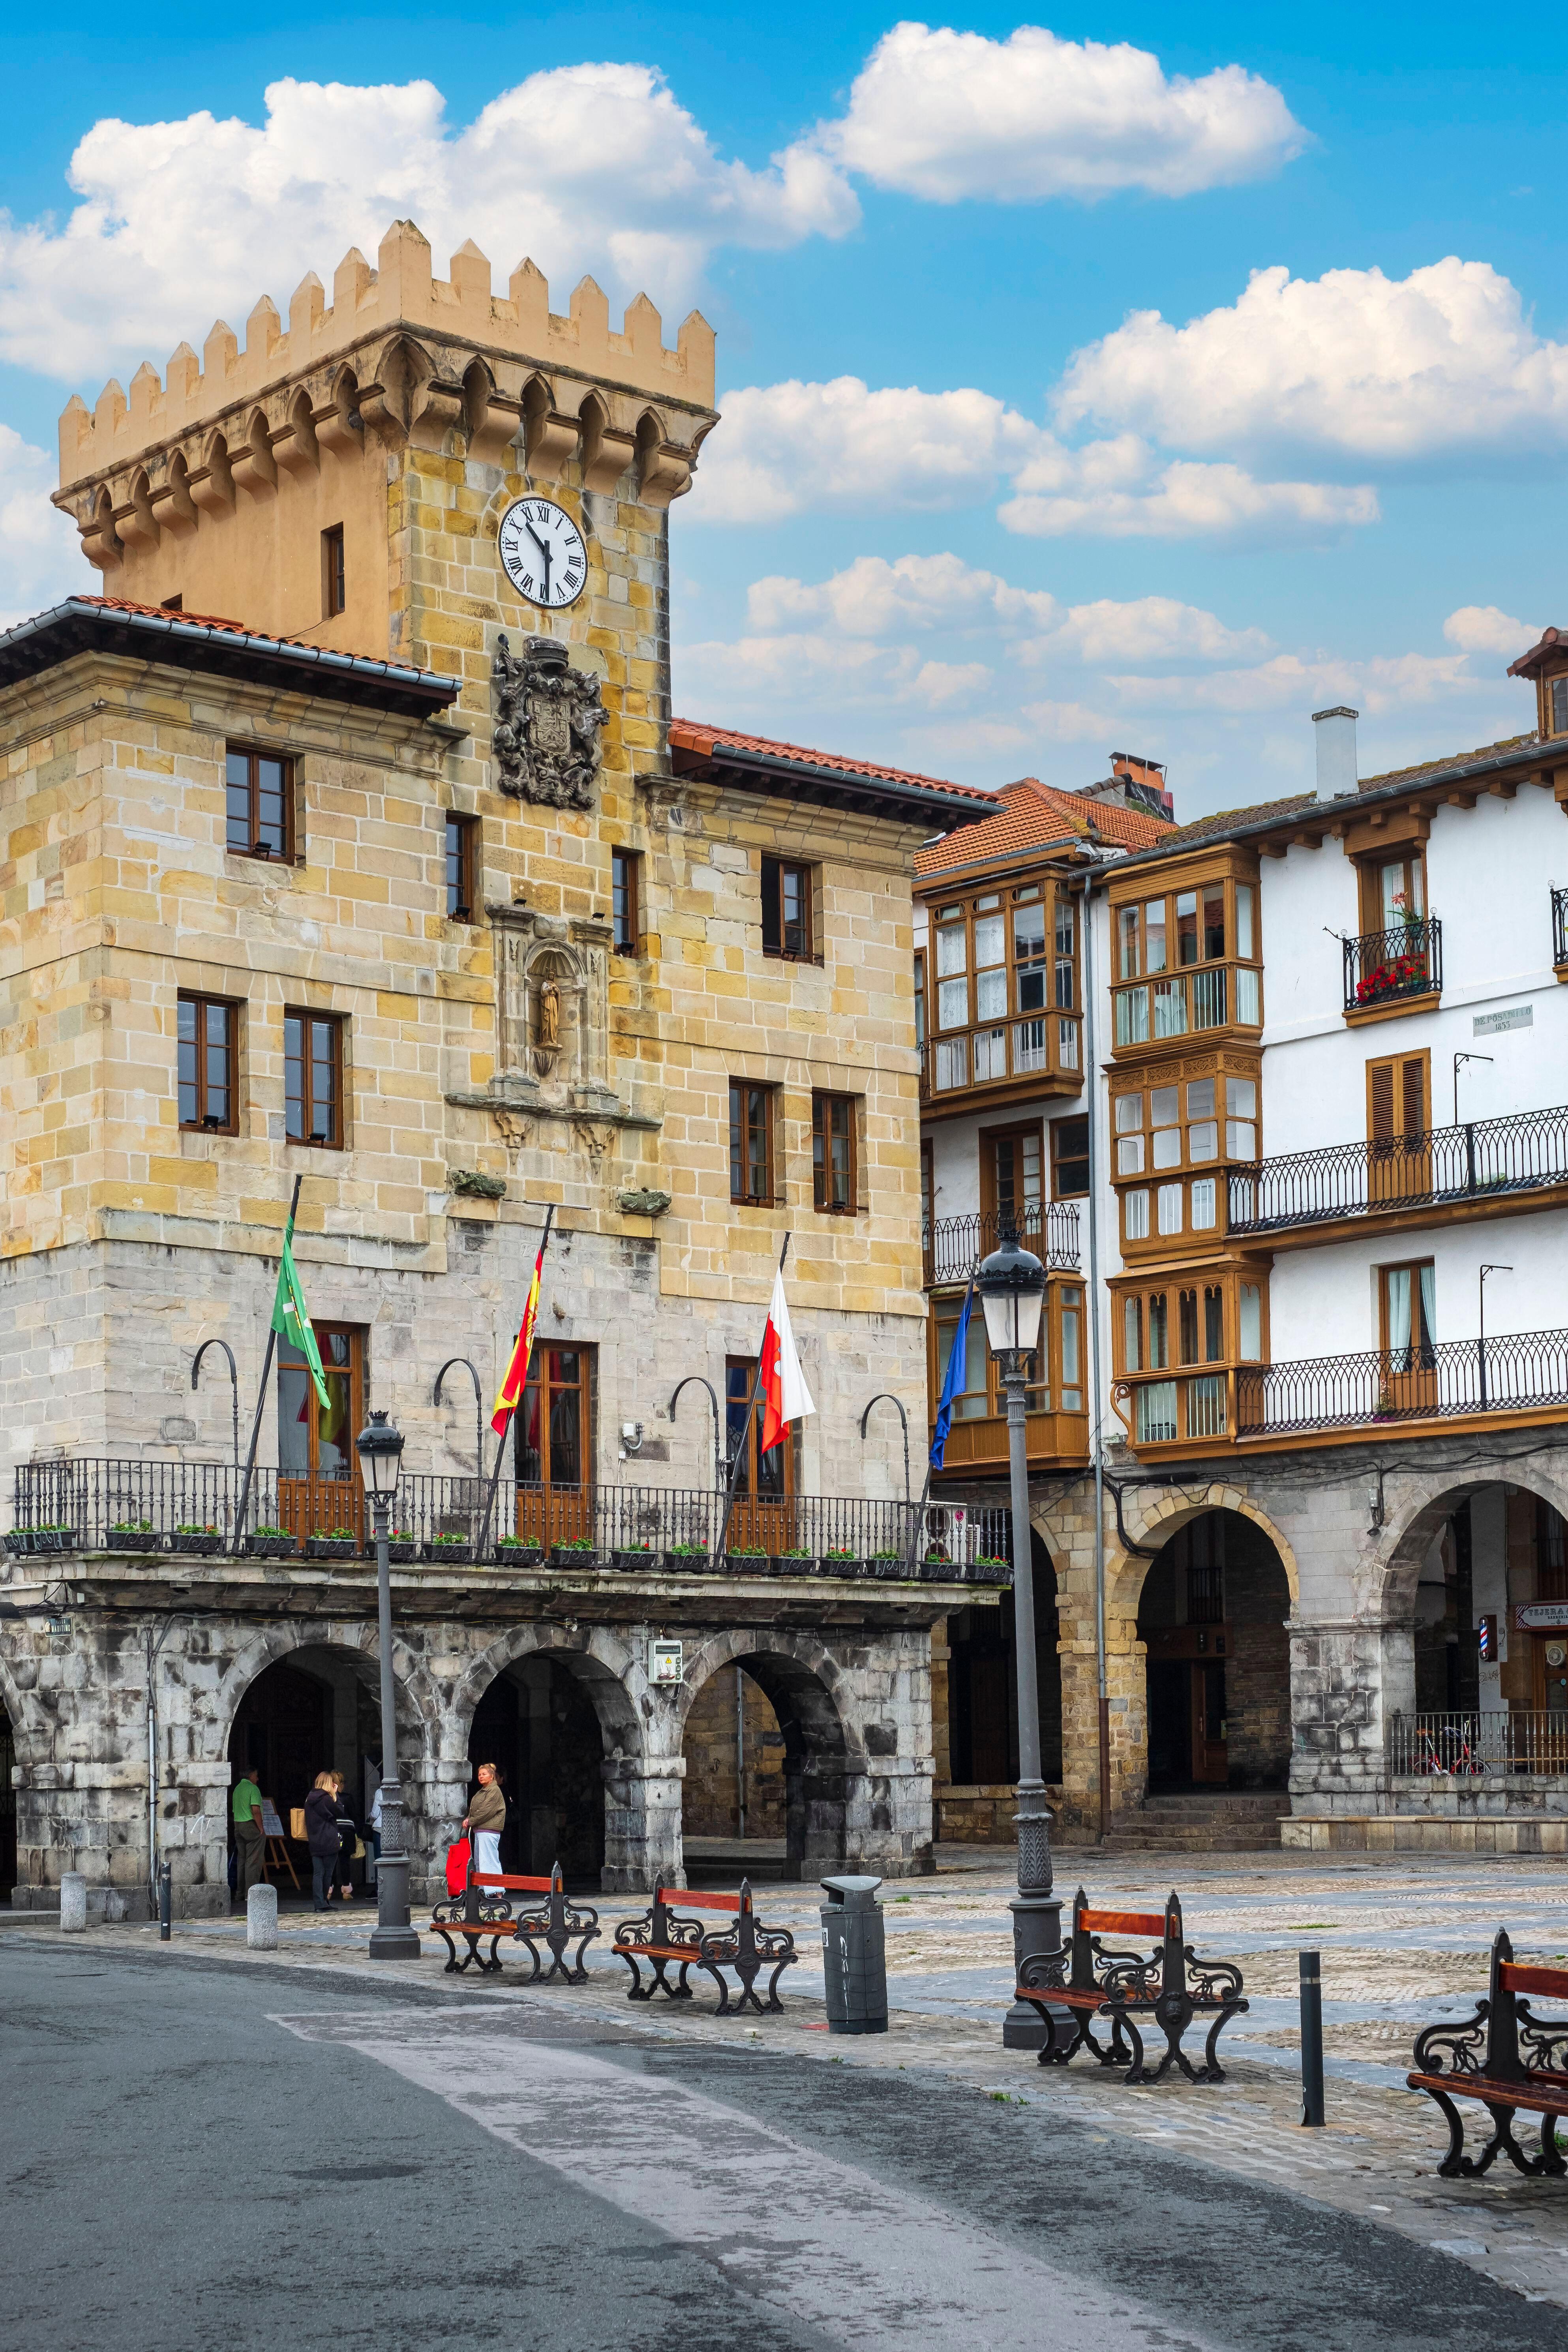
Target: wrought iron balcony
(1470,1747)
(954,1246)
(1560,926)
(1488,1159)
(1382,966)
(139,1505)
(1383,1387)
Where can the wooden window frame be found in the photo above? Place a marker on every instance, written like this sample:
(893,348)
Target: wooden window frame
(774,870)
(253,754)
(541,1384)
(741,1125)
(1171,1282)
(626,901)
(312,1139)
(334,573)
(466,829)
(1017,1131)
(203,1123)
(1057,1156)
(1230,878)
(1412,856)
(822,1103)
(1397,1066)
(1217,1163)
(1412,1266)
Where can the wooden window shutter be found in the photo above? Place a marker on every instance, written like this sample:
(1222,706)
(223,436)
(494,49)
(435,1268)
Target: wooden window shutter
(1413,1089)
(1380,1101)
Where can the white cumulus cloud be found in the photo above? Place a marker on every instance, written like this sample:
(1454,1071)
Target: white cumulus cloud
(1118,490)
(1486,629)
(589,166)
(43,559)
(1382,683)
(945,115)
(1352,365)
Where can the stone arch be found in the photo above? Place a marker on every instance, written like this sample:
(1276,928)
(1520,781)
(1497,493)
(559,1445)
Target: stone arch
(799,1677)
(611,1669)
(1414,1524)
(272,1644)
(1152,1524)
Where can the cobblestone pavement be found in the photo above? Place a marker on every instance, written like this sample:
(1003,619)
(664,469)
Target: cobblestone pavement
(1403,1939)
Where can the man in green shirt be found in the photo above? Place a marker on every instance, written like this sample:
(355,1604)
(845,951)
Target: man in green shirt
(249,1843)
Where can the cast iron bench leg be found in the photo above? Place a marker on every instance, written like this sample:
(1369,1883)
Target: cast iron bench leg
(1503,2143)
(532,1950)
(1456,2164)
(1124,2024)
(774,2002)
(577,1973)
(1211,2070)
(636,1993)
(711,1969)
(451,1947)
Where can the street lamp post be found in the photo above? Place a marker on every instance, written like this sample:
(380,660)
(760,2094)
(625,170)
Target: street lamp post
(380,1450)
(1012,1285)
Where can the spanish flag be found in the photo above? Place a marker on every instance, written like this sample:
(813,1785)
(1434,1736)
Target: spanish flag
(509,1396)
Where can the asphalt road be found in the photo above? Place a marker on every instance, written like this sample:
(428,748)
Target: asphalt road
(197,2158)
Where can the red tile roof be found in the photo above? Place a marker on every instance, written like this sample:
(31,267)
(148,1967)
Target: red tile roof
(173,612)
(692,735)
(1038,816)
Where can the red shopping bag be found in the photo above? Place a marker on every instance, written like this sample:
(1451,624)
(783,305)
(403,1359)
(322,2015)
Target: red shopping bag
(458,1866)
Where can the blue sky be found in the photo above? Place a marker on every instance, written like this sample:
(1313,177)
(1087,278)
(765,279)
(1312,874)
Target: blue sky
(1021,462)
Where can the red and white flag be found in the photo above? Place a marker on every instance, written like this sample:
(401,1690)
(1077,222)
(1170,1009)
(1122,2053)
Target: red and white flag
(786,1397)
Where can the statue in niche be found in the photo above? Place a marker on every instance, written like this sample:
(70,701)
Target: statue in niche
(549,1039)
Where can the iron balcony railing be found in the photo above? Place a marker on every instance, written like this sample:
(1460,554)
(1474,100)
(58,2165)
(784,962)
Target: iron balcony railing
(1488,1158)
(1560,926)
(1385,1386)
(1382,966)
(1468,1746)
(953,1246)
(136,1503)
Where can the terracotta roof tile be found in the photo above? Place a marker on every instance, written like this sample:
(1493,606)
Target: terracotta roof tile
(1450,760)
(1038,816)
(692,735)
(1224,821)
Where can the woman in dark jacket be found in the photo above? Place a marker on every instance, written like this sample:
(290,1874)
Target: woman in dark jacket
(321,1836)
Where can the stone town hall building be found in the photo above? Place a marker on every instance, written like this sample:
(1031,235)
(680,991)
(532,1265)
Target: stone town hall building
(345,837)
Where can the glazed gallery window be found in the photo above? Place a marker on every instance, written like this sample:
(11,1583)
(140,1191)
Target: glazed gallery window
(753,1113)
(462,862)
(260,803)
(1069,1159)
(1000,956)
(833,1121)
(786,910)
(626,901)
(1196,933)
(208,1038)
(313,1078)
(1180,1126)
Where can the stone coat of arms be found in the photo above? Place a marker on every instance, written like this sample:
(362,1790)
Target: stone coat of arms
(545,742)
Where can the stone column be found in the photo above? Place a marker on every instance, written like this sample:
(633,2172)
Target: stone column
(887,1817)
(642,1822)
(1347,1677)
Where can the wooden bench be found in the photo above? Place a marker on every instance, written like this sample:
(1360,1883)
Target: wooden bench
(1172,1986)
(663,1938)
(482,1914)
(1507,2058)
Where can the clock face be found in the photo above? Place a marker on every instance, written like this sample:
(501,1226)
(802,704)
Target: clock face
(543,554)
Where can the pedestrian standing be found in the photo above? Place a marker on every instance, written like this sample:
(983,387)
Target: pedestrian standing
(321,1836)
(486,1819)
(348,1839)
(249,1845)
(375,1827)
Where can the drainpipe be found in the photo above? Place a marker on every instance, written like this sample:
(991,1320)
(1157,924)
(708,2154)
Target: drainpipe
(1096,1432)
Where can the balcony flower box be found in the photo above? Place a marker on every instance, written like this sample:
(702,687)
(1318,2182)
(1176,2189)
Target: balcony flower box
(988,1571)
(840,1563)
(937,1568)
(889,1565)
(204,1542)
(339,1545)
(401,1550)
(1404,976)
(687,1560)
(793,1563)
(141,1537)
(576,1555)
(512,1551)
(449,1552)
(633,1559)
(26,1540)
(271,1543)
(749,1560)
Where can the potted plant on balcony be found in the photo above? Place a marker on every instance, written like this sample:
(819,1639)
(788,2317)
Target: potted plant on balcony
(937,1568)
(795,1561)
(197,1536)
(687,1558)
(840,1559)
(888,1562)
(132,1535)
(54,1534)
(271,1543)
(746,1560)
(519,1551)
(401,1547)
(631,1559)
(450,1550)
(338,1543)
(987,1568)
(578,1552)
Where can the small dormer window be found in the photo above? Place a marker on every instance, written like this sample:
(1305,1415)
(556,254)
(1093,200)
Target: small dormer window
(1558,704)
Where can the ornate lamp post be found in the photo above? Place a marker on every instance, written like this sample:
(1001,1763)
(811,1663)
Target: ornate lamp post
(380,1450)
(1012,1285)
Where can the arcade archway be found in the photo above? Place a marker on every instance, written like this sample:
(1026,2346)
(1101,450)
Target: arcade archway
(1212,1617)
(734,1799)
(315,1710)
(803,1790)
(546,1723)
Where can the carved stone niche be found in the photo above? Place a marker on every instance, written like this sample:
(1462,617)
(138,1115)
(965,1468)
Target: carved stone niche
(552,1011)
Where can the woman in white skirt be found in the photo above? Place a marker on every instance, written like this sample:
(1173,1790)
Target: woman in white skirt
(484,1820)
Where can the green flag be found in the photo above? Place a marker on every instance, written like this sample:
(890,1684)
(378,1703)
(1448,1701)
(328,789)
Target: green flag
(292,1316)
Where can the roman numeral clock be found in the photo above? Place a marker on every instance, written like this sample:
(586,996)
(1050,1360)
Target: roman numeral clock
(542,553)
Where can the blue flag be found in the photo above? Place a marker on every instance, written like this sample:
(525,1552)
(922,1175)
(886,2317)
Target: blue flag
(952,1380)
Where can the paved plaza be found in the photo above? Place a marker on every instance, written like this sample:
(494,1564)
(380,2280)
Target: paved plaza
(1404,1940)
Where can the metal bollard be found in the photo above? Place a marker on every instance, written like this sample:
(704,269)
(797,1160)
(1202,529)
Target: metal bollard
(73,1902)
(1312,2039)
(165,1901)
(261,1918)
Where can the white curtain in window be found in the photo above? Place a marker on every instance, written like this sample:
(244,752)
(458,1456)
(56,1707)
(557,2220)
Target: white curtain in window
(1398,1280)
(1428,1305)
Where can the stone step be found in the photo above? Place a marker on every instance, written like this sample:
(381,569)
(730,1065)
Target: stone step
(1168,1837)
(1239,1803)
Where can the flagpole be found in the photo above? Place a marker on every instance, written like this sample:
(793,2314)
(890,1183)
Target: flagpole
(484,1542)
(744,1448)
(244,1504)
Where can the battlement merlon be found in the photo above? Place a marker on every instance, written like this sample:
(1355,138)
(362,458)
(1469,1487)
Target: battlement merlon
(411,354)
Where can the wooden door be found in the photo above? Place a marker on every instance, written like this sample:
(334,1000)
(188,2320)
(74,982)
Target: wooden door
(1012,1176)
(319,1486)
(765,1489)
(1409,1371)
(555,1447)
(1398,1126)
(1211,1763)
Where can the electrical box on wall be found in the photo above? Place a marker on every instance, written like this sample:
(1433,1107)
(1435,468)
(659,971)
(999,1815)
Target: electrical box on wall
(666,1662)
